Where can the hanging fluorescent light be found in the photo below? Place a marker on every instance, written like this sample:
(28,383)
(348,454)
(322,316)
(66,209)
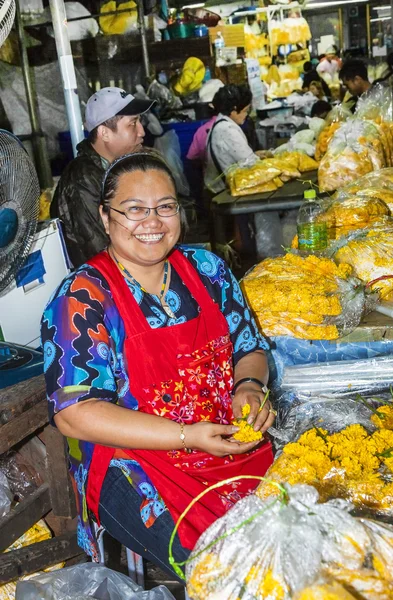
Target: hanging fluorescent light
(198,5)
(386,7)
(328,4)
(380,19)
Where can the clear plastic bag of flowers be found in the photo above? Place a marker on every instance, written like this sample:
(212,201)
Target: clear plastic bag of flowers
(370,253)
(273,550)
(356,148)
(253,551)
(328,412)
(373,185)
(376,104)
(304,297)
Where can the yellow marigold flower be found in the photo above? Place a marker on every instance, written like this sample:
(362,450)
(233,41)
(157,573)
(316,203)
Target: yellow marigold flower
(383,439)
(316,439)
(385,422)
(246,432)
(389,463)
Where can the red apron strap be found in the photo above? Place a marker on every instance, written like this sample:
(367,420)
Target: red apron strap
(99,465)
(191,279)
(134,320)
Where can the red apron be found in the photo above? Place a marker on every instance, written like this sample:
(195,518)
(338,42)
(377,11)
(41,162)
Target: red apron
(182,372)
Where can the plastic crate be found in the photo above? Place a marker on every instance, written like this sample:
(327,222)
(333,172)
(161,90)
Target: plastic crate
(185,132)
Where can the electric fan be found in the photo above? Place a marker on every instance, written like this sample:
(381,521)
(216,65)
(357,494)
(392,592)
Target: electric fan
(19,205)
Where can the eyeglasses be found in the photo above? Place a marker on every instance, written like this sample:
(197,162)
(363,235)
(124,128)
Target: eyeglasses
(139,213)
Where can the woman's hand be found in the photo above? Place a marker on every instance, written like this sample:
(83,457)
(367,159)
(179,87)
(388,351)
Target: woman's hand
(213,439)
(248,394)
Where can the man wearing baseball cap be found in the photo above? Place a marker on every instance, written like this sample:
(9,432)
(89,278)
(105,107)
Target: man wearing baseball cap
(113,122)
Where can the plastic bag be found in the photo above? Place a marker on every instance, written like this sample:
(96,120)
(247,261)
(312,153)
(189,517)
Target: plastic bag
(309,298)
(118,23)
(370,253)
(329,412)
(164,97)
(371,375)
(86,581)
(268,234)
(5,495)
(376,104)
(374,185)
(271,550)
(169,146)
(356,148)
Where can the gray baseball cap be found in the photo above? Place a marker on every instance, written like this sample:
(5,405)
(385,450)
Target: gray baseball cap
(111,101)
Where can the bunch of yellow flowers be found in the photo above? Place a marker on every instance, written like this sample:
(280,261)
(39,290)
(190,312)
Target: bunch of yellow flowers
(293,295)
(246,431)
(350,464)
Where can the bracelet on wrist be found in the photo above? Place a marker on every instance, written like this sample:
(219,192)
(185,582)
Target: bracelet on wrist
(183,439)
(257,382)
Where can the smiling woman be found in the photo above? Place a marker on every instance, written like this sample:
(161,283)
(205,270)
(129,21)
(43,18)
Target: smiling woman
(154,352)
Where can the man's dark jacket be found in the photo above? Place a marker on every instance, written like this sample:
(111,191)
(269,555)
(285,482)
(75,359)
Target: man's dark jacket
(76,202)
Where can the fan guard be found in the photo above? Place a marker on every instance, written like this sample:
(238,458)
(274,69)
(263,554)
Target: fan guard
(19,206)
(7,16)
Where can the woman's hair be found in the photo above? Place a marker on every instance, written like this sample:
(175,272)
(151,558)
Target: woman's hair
(232,98)
(144,160)
(319,87)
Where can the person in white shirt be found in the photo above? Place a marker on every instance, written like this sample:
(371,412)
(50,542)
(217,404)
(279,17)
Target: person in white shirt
(227,143)
(329,66)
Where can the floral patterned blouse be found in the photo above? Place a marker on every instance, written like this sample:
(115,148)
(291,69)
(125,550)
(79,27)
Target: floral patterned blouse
(83,336)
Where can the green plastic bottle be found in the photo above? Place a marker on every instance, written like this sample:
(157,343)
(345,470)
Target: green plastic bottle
(312,233)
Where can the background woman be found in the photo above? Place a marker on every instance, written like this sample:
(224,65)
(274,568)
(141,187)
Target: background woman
(227,143)
(150,351)
(317,90)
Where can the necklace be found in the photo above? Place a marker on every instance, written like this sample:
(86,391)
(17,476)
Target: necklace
(161,298)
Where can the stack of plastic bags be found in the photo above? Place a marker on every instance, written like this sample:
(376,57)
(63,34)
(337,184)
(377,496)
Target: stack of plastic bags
(289,31)
(292,548)
(269,174)
(360,145)
(310,298)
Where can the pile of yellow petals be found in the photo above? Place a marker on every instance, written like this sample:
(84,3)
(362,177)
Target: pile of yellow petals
(198,585)
(246,431)
(371,257)
(346,465)
(292,295)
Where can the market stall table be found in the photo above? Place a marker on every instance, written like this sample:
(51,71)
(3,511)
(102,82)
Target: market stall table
(285,198)
(24,413)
